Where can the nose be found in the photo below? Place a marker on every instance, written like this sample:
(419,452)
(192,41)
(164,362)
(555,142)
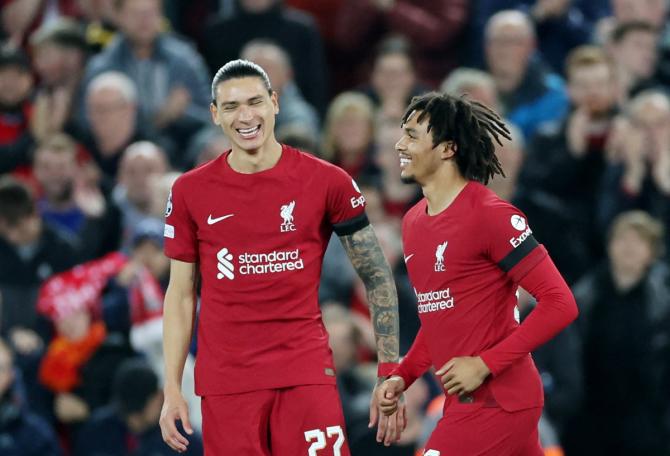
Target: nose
(245,114)
(400,145)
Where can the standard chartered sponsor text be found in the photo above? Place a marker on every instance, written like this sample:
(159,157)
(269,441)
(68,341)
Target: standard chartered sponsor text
(432,301)
(275,261)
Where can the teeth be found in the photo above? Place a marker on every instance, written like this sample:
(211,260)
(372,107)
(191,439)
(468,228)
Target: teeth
(404,161)
(247,132)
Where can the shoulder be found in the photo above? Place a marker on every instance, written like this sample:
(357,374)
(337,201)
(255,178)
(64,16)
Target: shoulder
(199,174)
(309,162)
(413,213)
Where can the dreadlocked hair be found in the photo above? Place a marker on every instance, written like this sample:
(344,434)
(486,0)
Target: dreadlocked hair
(470,125)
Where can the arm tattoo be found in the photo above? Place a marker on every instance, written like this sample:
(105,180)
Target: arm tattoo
(371,265)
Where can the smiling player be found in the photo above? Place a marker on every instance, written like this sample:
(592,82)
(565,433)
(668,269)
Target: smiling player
(466,252)
(254,224)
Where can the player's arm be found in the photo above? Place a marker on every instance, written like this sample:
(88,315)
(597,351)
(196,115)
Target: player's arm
(367,258)
(178,319)
(556,308)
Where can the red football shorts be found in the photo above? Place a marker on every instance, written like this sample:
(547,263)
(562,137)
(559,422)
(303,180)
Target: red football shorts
(301,420)
(482,428)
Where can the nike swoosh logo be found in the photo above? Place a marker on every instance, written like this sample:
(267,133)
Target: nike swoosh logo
(212,221)
(408,257)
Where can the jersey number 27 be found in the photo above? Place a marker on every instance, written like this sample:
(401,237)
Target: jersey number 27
(318,439)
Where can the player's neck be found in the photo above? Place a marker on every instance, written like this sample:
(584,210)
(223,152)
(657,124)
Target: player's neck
(254,161)
(442,189)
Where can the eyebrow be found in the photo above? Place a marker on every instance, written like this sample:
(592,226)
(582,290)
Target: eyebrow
(410,130)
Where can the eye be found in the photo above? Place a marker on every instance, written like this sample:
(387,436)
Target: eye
(257,101)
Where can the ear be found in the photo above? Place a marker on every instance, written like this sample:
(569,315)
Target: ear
(447,150)
(213,110)
(275,101)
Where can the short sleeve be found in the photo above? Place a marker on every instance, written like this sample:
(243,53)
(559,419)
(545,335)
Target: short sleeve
(346,204)
(180,229)
(510,241)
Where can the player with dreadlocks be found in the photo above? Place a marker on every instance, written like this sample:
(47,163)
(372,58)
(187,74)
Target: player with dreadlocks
(466,252)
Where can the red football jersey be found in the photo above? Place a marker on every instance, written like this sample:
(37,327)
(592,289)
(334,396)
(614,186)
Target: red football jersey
(465,264)
(259,240)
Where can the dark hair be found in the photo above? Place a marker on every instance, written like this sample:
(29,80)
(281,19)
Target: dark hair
(623,29)
(16,201)
(239,69)
(469,124)
(133,385)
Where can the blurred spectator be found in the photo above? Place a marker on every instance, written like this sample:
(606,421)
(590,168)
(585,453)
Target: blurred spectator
(21,17)
(142,163)
(433,27)
(299,137)
(206,145)
(529,92)
(22,433)
(134,298)
(69,204)
(354,381)
(112,109)
(160,191)
(59,53)
(511,156)
(396,195)
(30,252)
(653,12)
(559,363)
(393,81)
(292,30)
(628,295)
(16,86)
(634,50)
(560,25)
(348,135)
(171,78)
(293,109)
(476,84)
(129,424)
(560,179)
(80,360)
(639,177)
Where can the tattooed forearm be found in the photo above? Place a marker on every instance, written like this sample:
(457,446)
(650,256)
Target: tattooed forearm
(371,265)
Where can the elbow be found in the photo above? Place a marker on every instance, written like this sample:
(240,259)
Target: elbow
(570,307)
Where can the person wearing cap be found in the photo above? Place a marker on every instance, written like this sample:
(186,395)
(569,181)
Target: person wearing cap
(16,87)
(128,425)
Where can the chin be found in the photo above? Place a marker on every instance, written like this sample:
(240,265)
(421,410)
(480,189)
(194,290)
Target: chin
(408,179)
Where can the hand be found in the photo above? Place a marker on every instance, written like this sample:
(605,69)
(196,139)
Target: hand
(391,423)
(25,341)
(89,199)
(174,107)
(463,375)
(70,408)
(577,132)
(129,273)
(175,408)
(50,113)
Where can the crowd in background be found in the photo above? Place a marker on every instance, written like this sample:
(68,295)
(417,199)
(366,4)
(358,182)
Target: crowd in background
(103,103)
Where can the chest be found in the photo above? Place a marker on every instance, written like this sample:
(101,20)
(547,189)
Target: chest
(271,213)
(442,251)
